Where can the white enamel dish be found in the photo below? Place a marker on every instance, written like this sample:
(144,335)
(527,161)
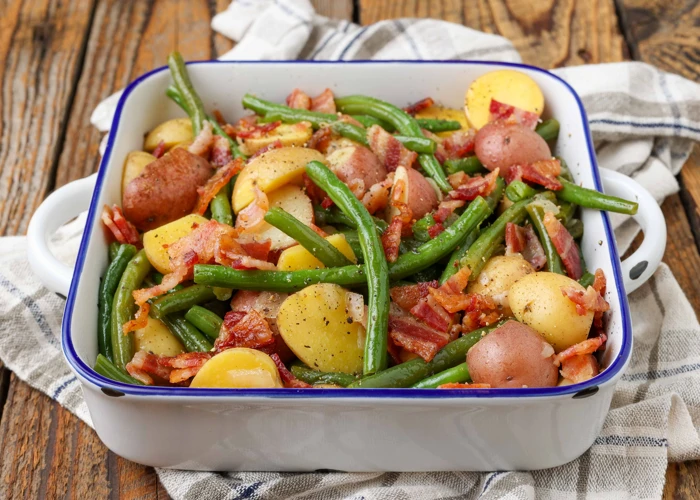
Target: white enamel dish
(339,429)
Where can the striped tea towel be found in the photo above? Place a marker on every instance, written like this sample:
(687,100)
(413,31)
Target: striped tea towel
(643,122)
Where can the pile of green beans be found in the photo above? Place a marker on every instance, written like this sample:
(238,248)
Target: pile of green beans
(306,374)
(206,321)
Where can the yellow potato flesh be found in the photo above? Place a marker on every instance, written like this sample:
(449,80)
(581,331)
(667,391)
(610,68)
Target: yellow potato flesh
(317,327)
(171,133)
(156,338)
(168,234)
(270,171)
(497,276)
(297,257)
(293,200)
(134,164)
(238,368)
(440,113)
(506,86)
(537,300)
(296,134)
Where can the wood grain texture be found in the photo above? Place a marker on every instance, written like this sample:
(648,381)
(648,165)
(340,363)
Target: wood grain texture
(547,33)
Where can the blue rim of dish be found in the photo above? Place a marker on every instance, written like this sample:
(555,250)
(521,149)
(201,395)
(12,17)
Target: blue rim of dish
(86,372)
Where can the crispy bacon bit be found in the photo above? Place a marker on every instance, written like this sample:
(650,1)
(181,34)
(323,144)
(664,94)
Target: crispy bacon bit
(219,117)
(140,319)
(257,249)
(590,300)
(220,152)
(523,240)
(273,145)
(388,149)
(143,365)
(349,119)
(419,106)
(457,282)
(431,312)
(565,245)
(435,230)
(377,196)
(244,123)
(160,149)
(357,187)
(229,252)
(184,366)
(588,346)
(447,208)
(215,183)
(415,336)
(321,139)
(579,368)
(543,172)
(298,99)
(475,186)
(511,114)
(314,192)
(253,216)
(407,296)
(203,142)
(515,238)
(457,179)
(123,230)
(458,145)
(258,130)
(391,239)
(456,385)
(288,378)
(324,102)
(173,369)
(244,329)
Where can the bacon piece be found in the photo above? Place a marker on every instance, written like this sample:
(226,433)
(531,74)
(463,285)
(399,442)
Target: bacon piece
(215,183)
(220,152)
(258,130)
(456,385)
(140,319)
(314,192)
(457,179)
(543,172)
(144,364)
(523,240)
(288,378)
(431,312)
(203,142)
(391,239)
(244,329)
(475,186)
(579,368)
(123,230)
(515,238)
(160,149)
(219,117)
(415,336)
(588,346)
(184,366)
(447,208)
(419,106)
(257,249)
(457,282)
(324,102)
(321,140)
(407,296)
(590,299)
(244,123)
(253,216)
(511,114)
(231,253)
(565,245)
(349,119)
(388,149)
(377,196)
(435,230)
(298,99)
(458,145)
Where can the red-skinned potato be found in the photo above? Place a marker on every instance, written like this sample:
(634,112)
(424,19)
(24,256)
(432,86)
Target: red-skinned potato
(500,145)
(357,162)
(422,197)
(166,189)
(513,356)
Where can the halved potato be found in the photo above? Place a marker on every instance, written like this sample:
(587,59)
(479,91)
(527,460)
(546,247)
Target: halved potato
(168,234)
(270,171)
(317,326)
(297,257)
(134,164)
(239,367)
(507,86)
(293,134)
(156,338)
(171,133)
(293,200)
(441,113)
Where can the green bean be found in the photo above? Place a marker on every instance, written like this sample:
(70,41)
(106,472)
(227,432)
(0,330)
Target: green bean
(106,368)
(367,121)
(110,281)
(590,198)
(333,215)
(358,134)
(587,279)
(518,190)
(192,102)
(469,165)
(376,269)
(454,375)
(306,374)
(354,241)
(287,114)
(221,207)
(421,226)
(436,125)
(175,96)
(113,249)
(350,131)
(192,339)
(208,322)
(404,123)
(548,129)
(554,264)
(123,308)
(492,237)
(566,211)
(181,300)
(413,371)
(417,144)
(565,172)
(329,255)
(575,228)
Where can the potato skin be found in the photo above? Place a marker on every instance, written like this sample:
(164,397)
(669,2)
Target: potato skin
(422,197)
(500,145)
(537,301)
(357,162)
(497,276)
(166,189)
(513,356)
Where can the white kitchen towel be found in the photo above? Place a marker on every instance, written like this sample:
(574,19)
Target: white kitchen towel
(643,121)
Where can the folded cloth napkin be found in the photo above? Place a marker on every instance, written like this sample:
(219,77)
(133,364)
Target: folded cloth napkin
(643,121)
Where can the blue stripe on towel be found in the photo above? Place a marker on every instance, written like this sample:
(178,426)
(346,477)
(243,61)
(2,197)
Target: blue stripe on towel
(674,126)
(60,388)
(33,307)
(654,374)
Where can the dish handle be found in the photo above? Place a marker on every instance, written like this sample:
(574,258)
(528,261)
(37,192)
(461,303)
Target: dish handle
(638,267)
(58,208)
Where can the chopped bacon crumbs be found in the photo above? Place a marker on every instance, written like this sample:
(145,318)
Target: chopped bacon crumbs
(253,216)
(475,186)
(184,366)
(599,285)
(511,114)
(288,378)
(377,196)
(458,145)
(324,102)
(388,149)
(215,183)
(160,149)
(231,253)
(219,117)
(321,140)
(257,130)
(203,142)
(314,192)
(588,346)
(220,154)
(173,369)
(391,238)
(457,282)
(435,229)
(257,249)
(432,313)
(419,106)
(523,240)
(586,301)
(579,368)
(565,245)
(244,329)
(140,319)
(415,336)
(273,145)
(543,172)
(298,99)
(456,385)
(123,230)
(407,296)
(447,208)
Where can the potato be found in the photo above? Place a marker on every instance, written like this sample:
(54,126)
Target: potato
(296,134)
(506,86)
(171,133)
(440,113)
(339,143)
(237,368)
(155,239)
(537,301)
(317,327)
(297,257)
(166,189)
(156,338)
(357,163)
(134,164)
(497,276)
(503,145)
(513,355)
(271,170)
(422,197)
(292,199)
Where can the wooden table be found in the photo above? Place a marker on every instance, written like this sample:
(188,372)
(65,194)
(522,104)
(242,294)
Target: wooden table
(58,59)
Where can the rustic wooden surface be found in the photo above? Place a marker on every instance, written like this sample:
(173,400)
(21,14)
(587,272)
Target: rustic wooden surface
(59,59)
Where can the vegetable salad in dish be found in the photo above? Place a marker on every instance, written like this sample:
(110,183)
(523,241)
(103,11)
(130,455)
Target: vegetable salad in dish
(343,241)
